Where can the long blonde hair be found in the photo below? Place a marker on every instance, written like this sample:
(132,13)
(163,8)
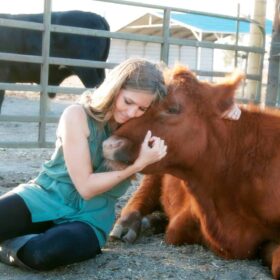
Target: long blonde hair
(133,73)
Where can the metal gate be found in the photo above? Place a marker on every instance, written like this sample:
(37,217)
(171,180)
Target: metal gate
(45,60)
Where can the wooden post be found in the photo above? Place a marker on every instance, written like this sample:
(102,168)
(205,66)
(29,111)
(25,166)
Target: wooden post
(44,72)
(272,94)
(257,39)
(166,33)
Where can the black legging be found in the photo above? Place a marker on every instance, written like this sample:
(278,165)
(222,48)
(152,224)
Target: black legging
(56,245)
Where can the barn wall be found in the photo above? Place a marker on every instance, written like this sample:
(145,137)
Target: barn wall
(187,55)
(123,49)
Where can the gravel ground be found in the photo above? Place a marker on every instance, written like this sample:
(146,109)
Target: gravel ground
(147,259)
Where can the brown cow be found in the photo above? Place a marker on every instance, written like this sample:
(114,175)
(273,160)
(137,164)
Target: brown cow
(228,194)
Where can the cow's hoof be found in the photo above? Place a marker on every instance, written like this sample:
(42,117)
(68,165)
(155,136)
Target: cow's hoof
(145,224)
(130,237)
(116,232)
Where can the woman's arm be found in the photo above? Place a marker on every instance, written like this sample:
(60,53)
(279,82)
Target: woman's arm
(74,132)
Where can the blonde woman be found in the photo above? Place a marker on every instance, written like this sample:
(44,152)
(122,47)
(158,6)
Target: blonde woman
(66,213)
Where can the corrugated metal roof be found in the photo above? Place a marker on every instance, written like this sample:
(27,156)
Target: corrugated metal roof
(214,24)
(190,26)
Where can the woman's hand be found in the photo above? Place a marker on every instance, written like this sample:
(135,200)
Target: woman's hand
(152,150)
(233,113)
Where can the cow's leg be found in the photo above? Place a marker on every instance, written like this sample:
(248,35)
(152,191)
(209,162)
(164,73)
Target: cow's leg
(89,77)
(2,94)
(144,201)
(57,75)
(179,206)
(183,229)
(270,255)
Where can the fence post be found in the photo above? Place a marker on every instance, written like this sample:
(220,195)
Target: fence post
(166,33)
(44,78)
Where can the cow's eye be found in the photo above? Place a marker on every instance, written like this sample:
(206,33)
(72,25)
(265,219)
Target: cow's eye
(174,110)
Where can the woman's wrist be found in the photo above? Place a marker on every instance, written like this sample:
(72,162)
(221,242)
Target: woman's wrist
(135,167)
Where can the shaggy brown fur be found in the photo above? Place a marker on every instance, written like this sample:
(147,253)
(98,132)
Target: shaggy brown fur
(223,190)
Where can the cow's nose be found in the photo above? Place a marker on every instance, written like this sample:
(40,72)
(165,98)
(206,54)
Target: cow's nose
(110,146)
(112,143)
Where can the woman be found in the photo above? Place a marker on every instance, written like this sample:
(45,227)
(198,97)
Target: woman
(70,205)
(66,213)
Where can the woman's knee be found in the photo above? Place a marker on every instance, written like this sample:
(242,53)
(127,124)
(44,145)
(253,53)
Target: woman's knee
(61,245)
(15,217)
(35,257)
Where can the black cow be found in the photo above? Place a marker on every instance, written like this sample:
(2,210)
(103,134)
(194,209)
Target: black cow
(29,42)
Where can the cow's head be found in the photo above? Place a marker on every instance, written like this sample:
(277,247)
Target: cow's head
(183,119)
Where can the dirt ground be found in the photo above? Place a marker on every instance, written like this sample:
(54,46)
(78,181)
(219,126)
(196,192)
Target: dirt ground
(149,258)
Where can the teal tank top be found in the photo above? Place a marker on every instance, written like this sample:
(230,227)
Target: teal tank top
(53,196)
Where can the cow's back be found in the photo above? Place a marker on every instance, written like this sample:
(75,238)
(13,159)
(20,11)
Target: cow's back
(80,46)
(64,45)
(24,41)
(18,40)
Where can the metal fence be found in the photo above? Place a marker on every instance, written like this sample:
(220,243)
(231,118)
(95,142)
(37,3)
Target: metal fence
(45,60)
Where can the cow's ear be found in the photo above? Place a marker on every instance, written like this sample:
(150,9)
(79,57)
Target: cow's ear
(225,92)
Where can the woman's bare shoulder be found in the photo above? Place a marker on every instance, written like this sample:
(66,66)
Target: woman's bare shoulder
(74,116)
(75,110)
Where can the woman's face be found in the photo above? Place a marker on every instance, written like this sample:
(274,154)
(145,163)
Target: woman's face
(131,104)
